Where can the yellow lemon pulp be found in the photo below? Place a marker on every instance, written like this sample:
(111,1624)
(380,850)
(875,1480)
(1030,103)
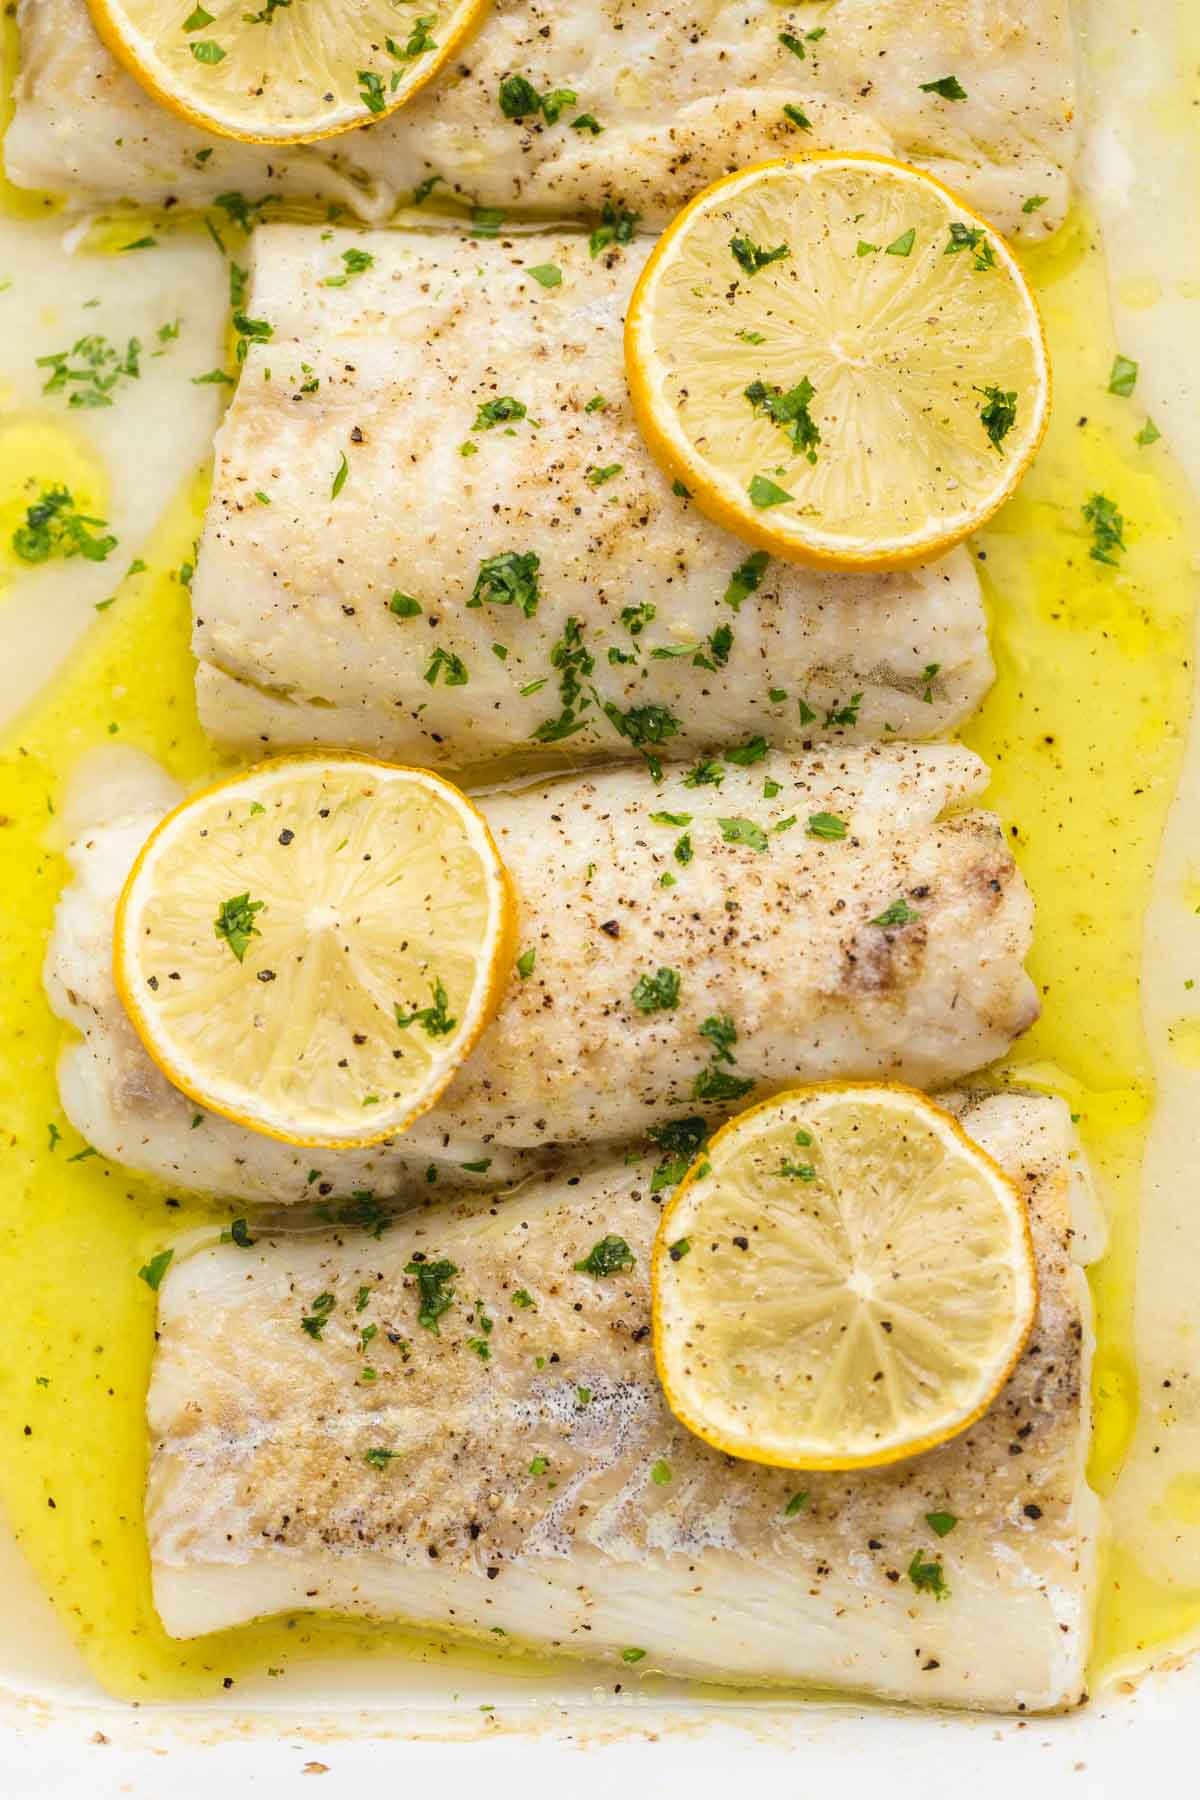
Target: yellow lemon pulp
(312,948)
(828,1237)
(839,360)
(284,73)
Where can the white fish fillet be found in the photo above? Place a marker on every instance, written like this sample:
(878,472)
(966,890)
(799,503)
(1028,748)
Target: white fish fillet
(780,940)
(294,636)
(684,94)
(260,1498)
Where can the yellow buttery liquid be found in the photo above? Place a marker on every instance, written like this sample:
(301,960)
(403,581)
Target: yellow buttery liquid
(1083,731)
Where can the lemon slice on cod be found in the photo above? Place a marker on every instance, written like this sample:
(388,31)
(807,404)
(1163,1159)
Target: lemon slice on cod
(841,1280)
(283,71)
(839,360)
(313,948)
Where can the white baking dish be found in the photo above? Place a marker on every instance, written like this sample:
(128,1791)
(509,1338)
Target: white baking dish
(444,1729)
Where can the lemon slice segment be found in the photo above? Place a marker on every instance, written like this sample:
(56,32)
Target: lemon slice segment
(839,360)
(285,71)
(313,948)
(842,1279)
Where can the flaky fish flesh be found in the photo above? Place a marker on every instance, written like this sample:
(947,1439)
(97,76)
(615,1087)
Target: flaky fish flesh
(543,1492)
(549,589)
(894,950)
(682,95)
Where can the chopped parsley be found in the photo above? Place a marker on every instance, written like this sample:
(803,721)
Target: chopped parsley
(235,923)
(795,1171)
(90,370)
(670,818)
(616,226)
(610,1256)
(837,715)
(1035,203)
(790,412)
(974,238)
(679,1249)
(947,87)
(509,579)
(598,477)
(574,662)
(754,750)
(746,578)
(658,992)
(998,414)
(902,246)
(752,257)
(927,1576)
(743,831)
(207,50)
(519,99)
(1149,434)
(826,825)
(404,606)
(705,774)
(317,1316)
(941,1523)
(1107,528)
(632,1655)
(452,668)
(721,1033)
(356,262)
(523,1299)
(765,492)
(153,1271)
(898,913)
(796,115)
(792,43)
(53,527)
(679,1141)
(547,275)
(795,1504)
(525,963)
(379,1459)
(499,412)
(435,1294)
(660,1474)
(642,726)
(434,1019)
(1123,377)
(371,90)
(717,1084)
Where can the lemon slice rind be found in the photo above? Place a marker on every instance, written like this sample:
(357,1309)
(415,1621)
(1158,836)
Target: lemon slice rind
(377,885)
(901,349)
(850,1318)
(290,72)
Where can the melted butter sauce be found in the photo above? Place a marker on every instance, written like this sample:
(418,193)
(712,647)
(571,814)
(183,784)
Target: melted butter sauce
(1083,731)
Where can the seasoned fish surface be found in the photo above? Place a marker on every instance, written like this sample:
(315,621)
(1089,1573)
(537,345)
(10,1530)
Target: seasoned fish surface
(545,1491)
(683,95)
(790,939)
(366,616)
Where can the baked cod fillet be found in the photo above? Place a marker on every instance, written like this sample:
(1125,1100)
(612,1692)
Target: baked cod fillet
(682,95)
(544,1492)
(786,940)
(503,567)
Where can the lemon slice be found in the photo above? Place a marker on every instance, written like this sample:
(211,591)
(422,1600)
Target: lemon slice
(313,947)
(841,1280)
(283,71)
(839,360)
